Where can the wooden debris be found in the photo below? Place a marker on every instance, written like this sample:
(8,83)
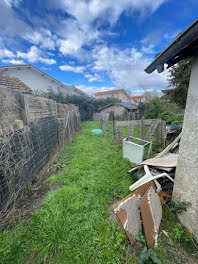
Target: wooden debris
(151,212)
(131,219)
(169,147)
(167,161)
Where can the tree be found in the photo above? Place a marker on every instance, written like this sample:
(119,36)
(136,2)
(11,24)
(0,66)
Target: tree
(179,76)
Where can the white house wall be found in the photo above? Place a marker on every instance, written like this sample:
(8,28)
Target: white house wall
(38,81)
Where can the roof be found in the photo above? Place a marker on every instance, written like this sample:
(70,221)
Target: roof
(125,105)
(14,83)
(43,73)
(112,92)
(183,46)
(138,96)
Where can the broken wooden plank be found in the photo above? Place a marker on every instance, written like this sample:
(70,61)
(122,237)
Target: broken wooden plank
(128,211)
(168,161)
(151,212)
(169,147)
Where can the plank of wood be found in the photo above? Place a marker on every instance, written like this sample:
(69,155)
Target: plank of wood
(167,161)
(169,147)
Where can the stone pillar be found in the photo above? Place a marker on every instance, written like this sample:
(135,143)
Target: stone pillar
(186,179)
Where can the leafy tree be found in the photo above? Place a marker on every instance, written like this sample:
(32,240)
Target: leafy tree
(87,105)
(153,108)
(179,76)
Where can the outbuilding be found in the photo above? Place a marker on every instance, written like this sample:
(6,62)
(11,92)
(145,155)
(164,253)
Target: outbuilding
(122,111)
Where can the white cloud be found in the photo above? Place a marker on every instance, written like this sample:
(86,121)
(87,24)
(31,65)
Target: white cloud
(76,69)
(148,49)
(43,38)
(13,61)
(93,77)
(47,61)
(11,3)
(86,12)
(126,68)
(94,89)
(6,53)
(33,55)
(88,16)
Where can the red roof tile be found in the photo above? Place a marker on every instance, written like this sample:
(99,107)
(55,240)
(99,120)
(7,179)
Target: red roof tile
(110,92)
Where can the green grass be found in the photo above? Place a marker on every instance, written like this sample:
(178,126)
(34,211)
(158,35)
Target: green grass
(171,249)
(74,225)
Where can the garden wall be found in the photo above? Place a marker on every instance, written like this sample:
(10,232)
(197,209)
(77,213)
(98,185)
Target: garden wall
(25,151)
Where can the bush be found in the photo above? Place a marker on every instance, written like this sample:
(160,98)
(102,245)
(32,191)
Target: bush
(172,118)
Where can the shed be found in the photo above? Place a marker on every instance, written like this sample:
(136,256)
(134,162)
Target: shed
(122,111)
(186,180)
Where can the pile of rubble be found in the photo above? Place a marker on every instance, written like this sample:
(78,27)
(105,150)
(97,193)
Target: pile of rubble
(142,209)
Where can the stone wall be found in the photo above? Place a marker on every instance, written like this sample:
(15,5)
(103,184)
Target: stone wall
(46,128)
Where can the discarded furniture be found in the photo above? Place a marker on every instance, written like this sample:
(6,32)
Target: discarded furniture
(157,126)
(147,178)
(134,149)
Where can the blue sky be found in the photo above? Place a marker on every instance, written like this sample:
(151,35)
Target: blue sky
(95,45)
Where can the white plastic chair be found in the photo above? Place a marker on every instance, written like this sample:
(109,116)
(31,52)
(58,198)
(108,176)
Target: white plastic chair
(149,177)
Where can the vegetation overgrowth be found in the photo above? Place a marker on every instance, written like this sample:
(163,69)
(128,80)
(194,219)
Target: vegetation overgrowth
(87,104)
(74,225)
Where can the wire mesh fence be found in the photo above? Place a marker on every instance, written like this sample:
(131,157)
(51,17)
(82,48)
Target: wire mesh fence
(24,152)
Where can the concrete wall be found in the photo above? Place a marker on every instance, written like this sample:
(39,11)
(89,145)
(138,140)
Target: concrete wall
(100,116)
(186,180)
(38,81)
(120,112)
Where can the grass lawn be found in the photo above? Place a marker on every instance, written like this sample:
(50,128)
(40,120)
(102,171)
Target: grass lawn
(74,225)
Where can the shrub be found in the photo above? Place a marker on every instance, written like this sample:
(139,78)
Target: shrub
(172,118)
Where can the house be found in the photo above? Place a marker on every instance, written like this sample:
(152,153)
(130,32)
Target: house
(122,111)
(14,84)
(119,94)
(38,80)
(139,99)
(186,179)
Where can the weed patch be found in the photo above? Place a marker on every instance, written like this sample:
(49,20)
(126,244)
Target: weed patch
(74,224)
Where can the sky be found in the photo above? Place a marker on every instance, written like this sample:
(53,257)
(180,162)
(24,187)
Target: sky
(95,45)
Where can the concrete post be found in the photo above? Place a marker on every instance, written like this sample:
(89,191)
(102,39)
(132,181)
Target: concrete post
(186,179)
(119,135)
(142,129)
